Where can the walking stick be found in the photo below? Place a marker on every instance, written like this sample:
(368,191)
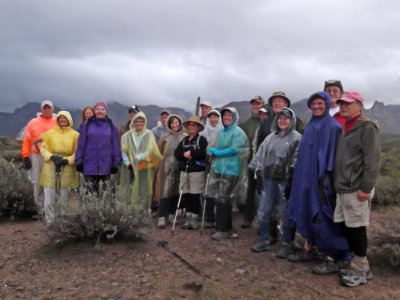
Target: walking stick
(180,197)
(205,193)
(57,187)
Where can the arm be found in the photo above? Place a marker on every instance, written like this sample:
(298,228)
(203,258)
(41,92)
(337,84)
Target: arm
(116,146)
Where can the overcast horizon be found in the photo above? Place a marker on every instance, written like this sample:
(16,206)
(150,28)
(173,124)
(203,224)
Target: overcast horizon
(170,52)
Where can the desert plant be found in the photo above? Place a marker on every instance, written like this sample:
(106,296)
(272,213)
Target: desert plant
(103,214)
(16,192)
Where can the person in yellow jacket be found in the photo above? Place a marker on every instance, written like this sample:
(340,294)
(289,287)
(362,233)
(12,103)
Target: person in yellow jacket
(58,150)
(31,145)
(141,156)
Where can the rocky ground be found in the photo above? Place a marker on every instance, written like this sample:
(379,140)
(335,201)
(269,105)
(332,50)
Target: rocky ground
(32,267)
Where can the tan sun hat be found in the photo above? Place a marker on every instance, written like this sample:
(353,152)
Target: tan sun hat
(196,120)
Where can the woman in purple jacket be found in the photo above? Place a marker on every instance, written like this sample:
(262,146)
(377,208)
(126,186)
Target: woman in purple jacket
(98,154)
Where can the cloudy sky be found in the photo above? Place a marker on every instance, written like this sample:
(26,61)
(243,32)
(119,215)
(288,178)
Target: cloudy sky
(168,52)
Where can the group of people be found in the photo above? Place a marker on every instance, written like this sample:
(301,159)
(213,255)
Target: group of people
(318,179)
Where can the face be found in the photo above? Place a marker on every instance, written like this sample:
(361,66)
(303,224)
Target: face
(175,124)
(318,107)
(131,114)
(163,119)
(204,111)
(278,103)
(255,106)
(192,128)
(283,122)
(349,110)
(138,124)
(88,113)
(100,112)
(62,121)
(213,119)
(334,93)
(227,118)
(263,115)
(47,111)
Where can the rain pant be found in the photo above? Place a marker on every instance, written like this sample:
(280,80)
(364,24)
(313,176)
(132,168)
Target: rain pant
(230,151)
(142,145)
(167,177)
(313,198)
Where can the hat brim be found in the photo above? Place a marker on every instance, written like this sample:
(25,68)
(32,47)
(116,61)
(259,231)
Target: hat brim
(201,125)
(271,99)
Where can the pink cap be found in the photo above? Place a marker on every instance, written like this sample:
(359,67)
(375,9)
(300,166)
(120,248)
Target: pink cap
(351,96)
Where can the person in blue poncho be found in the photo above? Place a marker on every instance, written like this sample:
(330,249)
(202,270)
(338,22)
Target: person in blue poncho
(313,199)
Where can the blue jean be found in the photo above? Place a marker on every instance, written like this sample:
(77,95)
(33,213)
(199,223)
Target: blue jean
(267,200)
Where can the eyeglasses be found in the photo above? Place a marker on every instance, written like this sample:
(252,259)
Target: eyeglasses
(333,91)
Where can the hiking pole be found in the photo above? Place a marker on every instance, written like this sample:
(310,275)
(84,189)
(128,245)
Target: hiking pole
(205,193)
(57,187)
(180,197)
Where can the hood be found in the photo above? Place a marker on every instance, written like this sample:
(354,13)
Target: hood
(234,113)
(216,112)
(324,96)
(168,125)
(363,120)
(67,115)
(292,125)
(138,115)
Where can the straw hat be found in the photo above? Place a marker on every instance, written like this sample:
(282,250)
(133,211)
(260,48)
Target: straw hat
(196,120)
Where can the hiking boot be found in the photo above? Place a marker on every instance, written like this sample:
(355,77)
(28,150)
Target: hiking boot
(220,235)
(347,272)
(353,279)
(186,225)
(260,246)
(193,221)
(246,224)
(326,267)
(171,219)
(302,255)
(161,222)
(285,250)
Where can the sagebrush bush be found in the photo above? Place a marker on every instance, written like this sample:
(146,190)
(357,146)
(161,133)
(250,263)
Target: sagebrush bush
(16,191)
(103,214)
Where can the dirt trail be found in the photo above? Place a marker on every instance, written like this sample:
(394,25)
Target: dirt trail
(31,269)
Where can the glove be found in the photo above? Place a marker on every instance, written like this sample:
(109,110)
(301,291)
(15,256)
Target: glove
(114,170)
(130,168)
(27,163)
(259,182)
(79,167)
(288,188)
(56,160)
(64,162)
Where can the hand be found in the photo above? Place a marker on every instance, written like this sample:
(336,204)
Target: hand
(27,163)
(362,196)
(56,160)
(130,168)
(114,170)
(187,154)
(259,182)
(64,162)
(79,167)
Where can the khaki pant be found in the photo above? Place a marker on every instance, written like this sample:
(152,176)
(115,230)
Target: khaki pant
(193,183)
(36,170)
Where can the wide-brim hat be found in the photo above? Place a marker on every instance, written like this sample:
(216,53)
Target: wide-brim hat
(278,94)
(205,103)
(333,82)
(194,119)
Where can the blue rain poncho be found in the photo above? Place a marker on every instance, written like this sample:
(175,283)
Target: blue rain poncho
(230,151)
(313,199)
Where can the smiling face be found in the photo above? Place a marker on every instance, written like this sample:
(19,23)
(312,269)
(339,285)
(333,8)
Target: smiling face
(175,124)
(334,93)
(318,107)
(100,112)
(349,110)
(255,106)
(204,111)
(213,119)
(193,128)
(283,122)
(138,124)
(47,111)
(163,118)
(227,118)
(62,121)
(88,113)
(278,103)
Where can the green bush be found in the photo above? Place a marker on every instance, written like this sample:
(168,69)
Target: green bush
(106,214)
(16,191)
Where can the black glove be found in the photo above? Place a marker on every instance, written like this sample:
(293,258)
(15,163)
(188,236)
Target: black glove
(27,163)
(56,160)
(64,162)
(259,182)
(114,170)
(79,167)
(130,168)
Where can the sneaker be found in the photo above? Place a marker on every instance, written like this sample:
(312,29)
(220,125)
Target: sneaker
(193,221)
(161,222)
(347,272)
(326,268)
(260,246)
(353,280)
(302,255)
(220,235)
(246,224)
(186,225)
(285,250)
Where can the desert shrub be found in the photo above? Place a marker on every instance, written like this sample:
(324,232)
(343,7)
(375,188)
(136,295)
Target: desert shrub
(16,191)
(105,214)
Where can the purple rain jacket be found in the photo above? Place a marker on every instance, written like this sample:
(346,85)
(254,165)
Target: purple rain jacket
(98,146)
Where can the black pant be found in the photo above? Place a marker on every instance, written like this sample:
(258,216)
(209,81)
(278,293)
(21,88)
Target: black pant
(191,202)
(224,217)
(357,239)
(249,209)
(210,204)
(167,206)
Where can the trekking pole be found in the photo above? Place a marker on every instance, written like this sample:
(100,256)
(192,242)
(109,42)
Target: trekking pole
(57,188)
(205,193)
(180,197)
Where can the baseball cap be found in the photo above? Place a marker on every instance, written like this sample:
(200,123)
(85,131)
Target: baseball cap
(333,82)
(351,96)
(205,103)
(258,99)
(134,108)
(165,111)
(46,102)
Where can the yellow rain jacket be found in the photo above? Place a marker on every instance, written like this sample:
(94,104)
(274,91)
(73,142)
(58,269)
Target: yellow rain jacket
(140,150)
(60,142)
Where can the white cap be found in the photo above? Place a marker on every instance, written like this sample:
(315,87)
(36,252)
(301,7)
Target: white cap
(205,103)
(46,102)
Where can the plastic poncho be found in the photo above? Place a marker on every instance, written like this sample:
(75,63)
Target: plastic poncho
(230,151)
(210,132)
(60,142)
(277,154)
(142,145)
(313,178)
(167,177)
